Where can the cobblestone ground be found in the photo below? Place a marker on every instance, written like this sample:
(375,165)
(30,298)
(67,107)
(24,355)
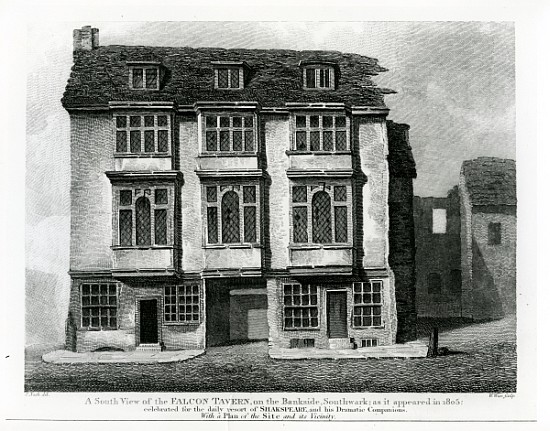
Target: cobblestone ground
(482,358)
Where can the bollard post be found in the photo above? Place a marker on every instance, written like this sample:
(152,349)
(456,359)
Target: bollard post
(434,341)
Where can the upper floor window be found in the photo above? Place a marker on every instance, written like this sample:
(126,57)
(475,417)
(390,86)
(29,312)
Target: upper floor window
(320,133)
(495,234)
(229,75)
(233,210)
(319,77)
(229,133)
(439,220)
(142,134)
(144,216)
(144,77)
(321,214)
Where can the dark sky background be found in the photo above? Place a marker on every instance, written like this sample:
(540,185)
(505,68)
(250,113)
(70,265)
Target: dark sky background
(454,83)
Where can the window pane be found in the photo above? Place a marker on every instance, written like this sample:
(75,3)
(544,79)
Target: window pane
(224,121)
(299,216)
(230,218)
(300,121)
(341,224)
(340,121)
(126,197)
(163,141)
(327,121)
(238,140)
(250,224)
(314,141)
(212,221)
(149,141)
(340,193)
(125,227)
(211,194)
(322,226)
(211,121)
(161,196)
(249,194)
(162,120)
(135,141)
(248,140)
(137,78)
(211,141)
(310,78)
(160,227)
(248,121)
(121,121)
(223,78)
(135,121)
(341,141)
(149,120)
(327,141)
(143,221)
(224,140)
(301,141)
(299,194)
(324,75)
(314,121)
(121,141)
(234,78)
(151,78)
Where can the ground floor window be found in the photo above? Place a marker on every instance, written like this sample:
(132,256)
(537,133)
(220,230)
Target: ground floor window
(182,304)
(301,309)
(99,305)
(367,304)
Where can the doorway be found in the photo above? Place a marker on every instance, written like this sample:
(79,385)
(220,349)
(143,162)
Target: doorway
(148,323)
(337,314)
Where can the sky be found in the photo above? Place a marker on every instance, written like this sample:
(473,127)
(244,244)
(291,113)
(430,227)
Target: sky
(454,84)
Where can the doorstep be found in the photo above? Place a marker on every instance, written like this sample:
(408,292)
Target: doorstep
(133,357)
(413,349)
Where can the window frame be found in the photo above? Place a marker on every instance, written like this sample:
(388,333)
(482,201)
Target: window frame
(230,129)
(177,304)
(222,188)
(312,187)
(149,191)
(143,129)
(319,81)
(321,130)
(99,305)
(143,67)
(372,304)
(301,306)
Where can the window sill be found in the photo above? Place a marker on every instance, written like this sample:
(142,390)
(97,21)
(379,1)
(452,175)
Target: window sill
(320,246)
(368,327)
(141,155)
(301,329)
(187,324)
(317,153)
(236,246)
(145,247)
(229,154)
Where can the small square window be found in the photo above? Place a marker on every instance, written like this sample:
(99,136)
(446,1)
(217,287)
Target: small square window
(126,197)
(161,196)
(121,122)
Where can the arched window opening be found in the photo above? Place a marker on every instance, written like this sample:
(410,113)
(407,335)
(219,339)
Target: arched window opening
(322,225)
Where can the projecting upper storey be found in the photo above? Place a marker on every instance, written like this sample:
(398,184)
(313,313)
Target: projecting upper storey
(185,76)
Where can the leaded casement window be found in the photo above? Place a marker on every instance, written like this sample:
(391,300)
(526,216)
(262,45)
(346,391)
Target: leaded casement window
(321,213)
(300,306)
(321,133)
(367,304)
(232,213)
(319,77)
(229,78)
(144,215)
(229,133)
(142,134)
(99,305)
(182,303)
(144,77)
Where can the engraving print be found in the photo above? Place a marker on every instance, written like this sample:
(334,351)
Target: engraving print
(273,214)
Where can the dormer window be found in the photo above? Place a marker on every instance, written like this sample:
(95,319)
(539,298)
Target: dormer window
(229,75)
(319,76)
(144,76)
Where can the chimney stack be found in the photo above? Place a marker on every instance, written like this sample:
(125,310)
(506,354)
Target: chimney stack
(85,39)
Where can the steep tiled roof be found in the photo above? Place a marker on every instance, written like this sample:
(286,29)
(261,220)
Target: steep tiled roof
(490,180)
(101,75)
